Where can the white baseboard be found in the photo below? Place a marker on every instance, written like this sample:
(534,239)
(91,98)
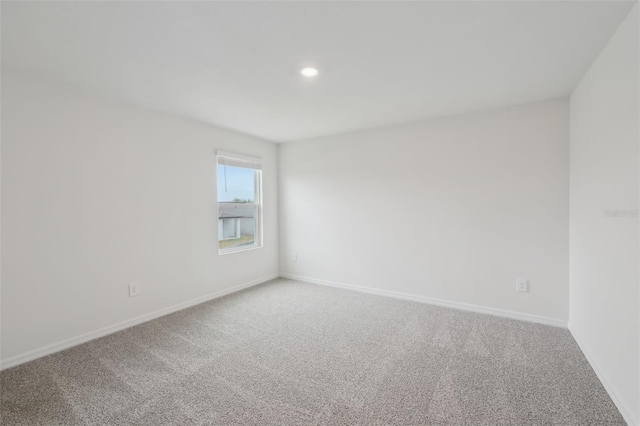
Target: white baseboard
(629,417)
(439,302)
(74,341)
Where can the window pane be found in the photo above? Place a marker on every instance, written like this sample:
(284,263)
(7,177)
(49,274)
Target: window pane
(238,213)
(236,225)
(235,184)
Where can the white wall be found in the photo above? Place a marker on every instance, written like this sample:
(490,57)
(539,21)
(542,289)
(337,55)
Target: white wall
(604,267)
(490,190)
(97,194)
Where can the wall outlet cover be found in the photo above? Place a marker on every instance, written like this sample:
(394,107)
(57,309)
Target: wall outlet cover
(134,289)
(522,285)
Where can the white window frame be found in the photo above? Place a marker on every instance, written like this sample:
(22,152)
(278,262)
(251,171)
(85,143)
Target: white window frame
(257,202)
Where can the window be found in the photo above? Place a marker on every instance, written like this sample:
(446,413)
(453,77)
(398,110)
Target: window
(239,185)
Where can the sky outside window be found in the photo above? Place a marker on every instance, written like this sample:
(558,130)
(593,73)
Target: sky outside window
(240,183)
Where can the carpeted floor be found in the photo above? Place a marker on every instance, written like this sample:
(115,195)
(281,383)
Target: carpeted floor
(286,352)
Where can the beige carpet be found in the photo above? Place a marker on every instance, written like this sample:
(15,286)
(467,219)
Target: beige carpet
(292,353)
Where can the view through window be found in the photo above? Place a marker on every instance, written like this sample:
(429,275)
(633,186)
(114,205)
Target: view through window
(239,213)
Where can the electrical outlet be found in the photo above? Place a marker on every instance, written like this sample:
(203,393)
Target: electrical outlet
(522,285)
(134,289)
(294,258)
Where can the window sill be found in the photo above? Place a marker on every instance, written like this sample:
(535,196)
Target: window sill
(237,250)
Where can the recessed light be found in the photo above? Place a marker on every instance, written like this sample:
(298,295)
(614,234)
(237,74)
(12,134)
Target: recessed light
(309,72)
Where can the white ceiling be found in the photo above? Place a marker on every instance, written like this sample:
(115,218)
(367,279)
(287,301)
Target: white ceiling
(236,64)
